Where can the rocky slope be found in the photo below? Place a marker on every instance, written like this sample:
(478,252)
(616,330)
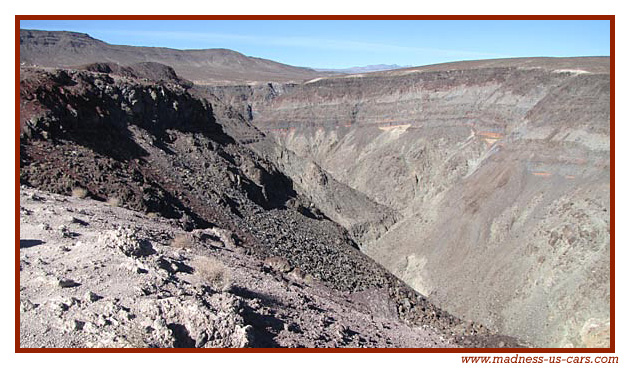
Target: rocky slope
(158,148)
(485,184)
(94,275)
(209,66)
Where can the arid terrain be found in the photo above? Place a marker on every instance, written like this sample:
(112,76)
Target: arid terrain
(494,178)
(109,277)
(439,206)
(213,66)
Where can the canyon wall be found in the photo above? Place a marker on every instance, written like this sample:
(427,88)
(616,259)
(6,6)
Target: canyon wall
(486,187)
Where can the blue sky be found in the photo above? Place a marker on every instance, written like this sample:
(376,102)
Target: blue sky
(340,44)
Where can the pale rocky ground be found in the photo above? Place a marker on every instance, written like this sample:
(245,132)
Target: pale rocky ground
(96,275)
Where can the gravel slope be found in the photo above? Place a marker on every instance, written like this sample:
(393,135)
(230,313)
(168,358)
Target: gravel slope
(93,275)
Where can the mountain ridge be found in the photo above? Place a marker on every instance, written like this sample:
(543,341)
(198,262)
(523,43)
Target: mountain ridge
(202,66)
(364,69)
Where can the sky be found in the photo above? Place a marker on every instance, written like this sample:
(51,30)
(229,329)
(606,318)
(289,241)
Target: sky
(343,44)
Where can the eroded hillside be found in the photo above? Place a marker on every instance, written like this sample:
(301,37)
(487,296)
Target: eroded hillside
(484,185)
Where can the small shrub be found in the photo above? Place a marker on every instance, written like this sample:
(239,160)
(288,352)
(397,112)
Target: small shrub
(78,192)
(114,201)
(214,273)
(181,241)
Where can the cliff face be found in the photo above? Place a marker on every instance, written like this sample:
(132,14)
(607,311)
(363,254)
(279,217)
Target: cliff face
(494,180)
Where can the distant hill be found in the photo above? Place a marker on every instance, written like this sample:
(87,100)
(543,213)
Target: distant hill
(365,69)
(591,64)
(208,66)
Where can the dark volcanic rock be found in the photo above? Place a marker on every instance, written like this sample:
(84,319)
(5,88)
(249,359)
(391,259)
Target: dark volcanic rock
(152,71)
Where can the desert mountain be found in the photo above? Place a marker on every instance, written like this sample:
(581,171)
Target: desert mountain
(365,69)
(215,66)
